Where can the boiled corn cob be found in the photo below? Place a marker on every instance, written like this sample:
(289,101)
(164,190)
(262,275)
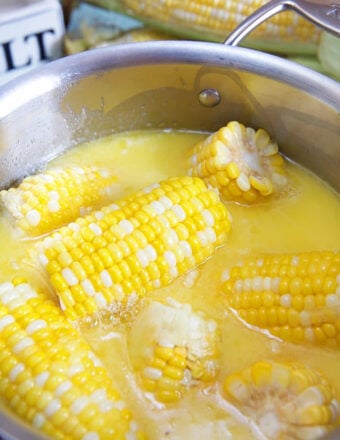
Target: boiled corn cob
(50,377)
(215,19)
(136,245)
(287,400)
(296,297)
(173,348)
(46,201)
(243,164)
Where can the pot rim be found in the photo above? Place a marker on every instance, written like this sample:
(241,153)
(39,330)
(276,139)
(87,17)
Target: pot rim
(65,71)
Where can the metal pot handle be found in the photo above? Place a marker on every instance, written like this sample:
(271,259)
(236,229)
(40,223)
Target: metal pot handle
(324,13)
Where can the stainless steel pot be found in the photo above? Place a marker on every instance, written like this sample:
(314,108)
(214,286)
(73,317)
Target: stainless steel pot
(189,85)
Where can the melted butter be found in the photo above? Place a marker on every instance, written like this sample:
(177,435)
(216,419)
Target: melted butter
(306,219)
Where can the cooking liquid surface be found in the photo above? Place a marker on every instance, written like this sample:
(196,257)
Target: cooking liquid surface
(305,219)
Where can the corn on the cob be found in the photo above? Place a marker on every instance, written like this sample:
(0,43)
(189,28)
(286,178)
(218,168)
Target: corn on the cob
(50,377)
(172,349)
(296,297)
(46,201)
(287,400)
(127,249)
(215,19)
(243,164)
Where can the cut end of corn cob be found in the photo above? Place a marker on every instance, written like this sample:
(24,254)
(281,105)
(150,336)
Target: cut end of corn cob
(287,400)
(243,164)
(173,348)
(217,18)
(47,201)
(129,248)
(295,297)
(50,377)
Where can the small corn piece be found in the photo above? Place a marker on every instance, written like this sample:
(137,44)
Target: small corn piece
(243,164)
(46,201)
(172,349)
(50,377)
(134,246)
(139,35)
(215,19)
(296,297)
(286,400)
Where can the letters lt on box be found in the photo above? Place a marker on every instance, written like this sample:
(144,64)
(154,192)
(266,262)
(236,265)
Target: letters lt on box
(31,33)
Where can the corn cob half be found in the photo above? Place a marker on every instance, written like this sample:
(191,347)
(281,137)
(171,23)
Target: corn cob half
(243,164)
(134,246)
(46,201)
(50,377)
(215,19)
(172,349)
(296,297)
(287,400)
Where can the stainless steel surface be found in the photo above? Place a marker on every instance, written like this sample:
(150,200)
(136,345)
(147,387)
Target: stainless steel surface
(157,85)
(153,84)
(209,97)
(323,13)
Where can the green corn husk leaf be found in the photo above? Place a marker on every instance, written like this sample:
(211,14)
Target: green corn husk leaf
(311,62)
(90,26)
(329,54)
(314,63)
(280,47)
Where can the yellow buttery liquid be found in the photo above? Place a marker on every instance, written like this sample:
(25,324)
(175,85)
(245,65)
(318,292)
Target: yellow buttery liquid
(305,219)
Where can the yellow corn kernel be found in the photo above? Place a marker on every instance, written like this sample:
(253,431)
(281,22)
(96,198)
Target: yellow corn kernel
(53,380)
(168,396)
(261,374)
(164,353)
(284,295)
(238,162)
(144,251)
(283,399)
(174,373)
(47,201)
(232,169)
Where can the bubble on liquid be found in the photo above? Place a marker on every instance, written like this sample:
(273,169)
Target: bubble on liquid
(126,316)
(275,346)
(106,318)
(89,322)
